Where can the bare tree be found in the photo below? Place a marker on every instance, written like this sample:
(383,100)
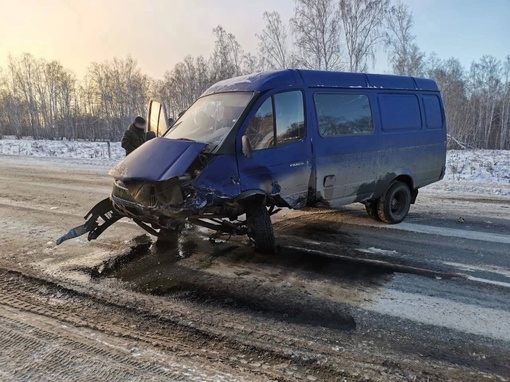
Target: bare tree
(317,33)
(486,88)
(184,84)
(117,91)
(23,73)
(252,64)
(450,77)
(362,21)
(504,128)
(273,44)
(227,58)
(403,53)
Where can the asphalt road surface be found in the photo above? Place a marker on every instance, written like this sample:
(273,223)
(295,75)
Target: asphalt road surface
(345,298)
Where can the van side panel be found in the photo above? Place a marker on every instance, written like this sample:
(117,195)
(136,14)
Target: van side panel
(413,138)
(345,148)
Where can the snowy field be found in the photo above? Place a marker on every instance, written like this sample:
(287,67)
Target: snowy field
(468,172)
(61,149)
(476,172)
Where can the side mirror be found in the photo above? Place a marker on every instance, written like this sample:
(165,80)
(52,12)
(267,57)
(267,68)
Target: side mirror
(245,141)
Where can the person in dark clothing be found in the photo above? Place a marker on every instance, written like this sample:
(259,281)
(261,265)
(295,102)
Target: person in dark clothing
(134,136)
(171,122)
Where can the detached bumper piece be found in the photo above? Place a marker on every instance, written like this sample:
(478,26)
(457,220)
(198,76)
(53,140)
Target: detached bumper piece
(104,210)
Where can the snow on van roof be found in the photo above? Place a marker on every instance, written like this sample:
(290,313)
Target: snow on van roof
(314,78)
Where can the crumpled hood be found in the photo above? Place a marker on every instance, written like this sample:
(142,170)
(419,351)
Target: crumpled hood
(157,160)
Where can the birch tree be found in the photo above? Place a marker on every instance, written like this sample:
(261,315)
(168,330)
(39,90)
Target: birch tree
(403,53)
(227,58)
(362,24)
(273,43)
(317,34)
(504,123)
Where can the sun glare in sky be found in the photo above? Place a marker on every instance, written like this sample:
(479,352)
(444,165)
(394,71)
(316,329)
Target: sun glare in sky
(159,33)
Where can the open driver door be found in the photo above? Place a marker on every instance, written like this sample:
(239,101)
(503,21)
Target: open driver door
(157,118)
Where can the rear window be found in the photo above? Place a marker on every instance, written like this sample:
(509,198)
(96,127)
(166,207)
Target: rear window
(400,112)
(433,114)
(343,114)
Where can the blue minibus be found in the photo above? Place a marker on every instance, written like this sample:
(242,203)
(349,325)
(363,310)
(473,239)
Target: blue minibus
(252,145)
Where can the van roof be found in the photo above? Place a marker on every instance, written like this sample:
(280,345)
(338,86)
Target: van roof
(291,78)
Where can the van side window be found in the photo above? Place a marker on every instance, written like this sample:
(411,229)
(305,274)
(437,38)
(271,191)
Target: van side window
(343,114)
(260,131)
(280,120)
(400,112)
(290,117)
(433,114)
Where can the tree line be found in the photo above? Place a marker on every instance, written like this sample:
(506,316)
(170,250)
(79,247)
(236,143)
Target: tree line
(43,99)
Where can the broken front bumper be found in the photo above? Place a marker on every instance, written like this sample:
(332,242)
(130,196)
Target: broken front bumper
(103,210)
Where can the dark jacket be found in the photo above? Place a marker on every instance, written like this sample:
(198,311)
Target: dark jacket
(133,138)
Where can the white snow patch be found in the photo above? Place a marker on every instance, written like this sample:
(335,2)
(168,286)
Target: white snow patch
(486,281)
(450,232)
(378,251)
(485,172)
(61,149)
(483,268)
(488,322)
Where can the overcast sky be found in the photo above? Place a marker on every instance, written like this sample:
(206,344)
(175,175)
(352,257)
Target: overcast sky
(159,33)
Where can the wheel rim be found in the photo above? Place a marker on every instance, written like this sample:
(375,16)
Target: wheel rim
(398,204)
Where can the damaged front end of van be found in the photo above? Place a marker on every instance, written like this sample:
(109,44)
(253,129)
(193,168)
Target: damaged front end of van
(163,184)
(187,174)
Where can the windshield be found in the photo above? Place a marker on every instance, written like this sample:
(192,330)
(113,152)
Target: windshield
(211,118)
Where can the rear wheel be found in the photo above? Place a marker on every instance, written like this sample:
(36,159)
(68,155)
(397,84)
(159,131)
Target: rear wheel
(371,208)
(260,228)
(394,205)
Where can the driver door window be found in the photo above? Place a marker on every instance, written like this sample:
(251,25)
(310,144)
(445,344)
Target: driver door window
(279,121)
(260,132)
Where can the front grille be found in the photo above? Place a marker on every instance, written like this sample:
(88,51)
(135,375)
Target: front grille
(121,192)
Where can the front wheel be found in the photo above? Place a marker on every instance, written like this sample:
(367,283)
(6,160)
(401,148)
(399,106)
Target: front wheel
(395,203)
(260,228)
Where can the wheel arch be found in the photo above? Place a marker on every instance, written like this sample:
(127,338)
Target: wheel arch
(252,194)
(407,179)
(269,200)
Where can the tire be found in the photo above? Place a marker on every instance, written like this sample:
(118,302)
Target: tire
(260,228)
(394,205)
(371,208)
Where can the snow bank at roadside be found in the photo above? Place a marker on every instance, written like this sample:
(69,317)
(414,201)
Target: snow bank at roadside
(476,172)
(469,171)
(61,149)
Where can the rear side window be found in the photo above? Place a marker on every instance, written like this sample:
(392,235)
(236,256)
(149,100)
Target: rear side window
(433,114)
(280,120)
(343,114)
(400,112)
